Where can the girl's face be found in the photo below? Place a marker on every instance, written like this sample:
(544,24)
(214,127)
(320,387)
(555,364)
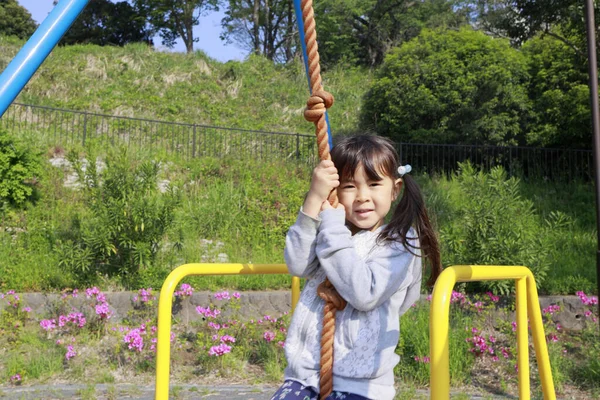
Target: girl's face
(367,201)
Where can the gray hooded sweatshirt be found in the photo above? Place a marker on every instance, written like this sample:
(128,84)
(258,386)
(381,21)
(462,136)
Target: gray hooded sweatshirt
(379,280)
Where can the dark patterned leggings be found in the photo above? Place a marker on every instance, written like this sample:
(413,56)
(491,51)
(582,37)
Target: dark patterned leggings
(292,390)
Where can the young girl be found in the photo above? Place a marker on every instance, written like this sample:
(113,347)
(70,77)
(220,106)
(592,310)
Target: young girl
(375,267)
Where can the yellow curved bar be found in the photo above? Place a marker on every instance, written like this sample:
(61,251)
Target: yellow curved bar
(522,340)
(539,339)
(165,304)
(527,305)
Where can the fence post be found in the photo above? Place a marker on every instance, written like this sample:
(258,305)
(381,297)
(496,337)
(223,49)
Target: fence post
(194,143)
(84,126)
(297,146)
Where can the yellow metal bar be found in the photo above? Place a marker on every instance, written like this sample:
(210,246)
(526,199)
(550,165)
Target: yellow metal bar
(295,292)
(439,319)
(539,340)
(522,340)
(165,303)
(439,325)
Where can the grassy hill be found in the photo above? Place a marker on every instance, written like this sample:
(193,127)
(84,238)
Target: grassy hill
(138,81)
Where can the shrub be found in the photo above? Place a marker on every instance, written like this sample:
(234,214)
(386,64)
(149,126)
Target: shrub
(20,168)
(450,87)
(494,226)
(125,220)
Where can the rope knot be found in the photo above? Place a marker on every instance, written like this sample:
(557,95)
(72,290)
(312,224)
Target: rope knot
(328,293)
(317,105)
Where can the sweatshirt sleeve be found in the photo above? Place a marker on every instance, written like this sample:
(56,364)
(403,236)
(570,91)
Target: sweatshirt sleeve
(300,242)
(364,283)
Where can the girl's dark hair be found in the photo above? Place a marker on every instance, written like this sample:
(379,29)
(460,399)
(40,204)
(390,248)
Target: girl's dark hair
(378,156)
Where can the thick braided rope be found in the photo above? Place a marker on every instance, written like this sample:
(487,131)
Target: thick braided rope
(316,107)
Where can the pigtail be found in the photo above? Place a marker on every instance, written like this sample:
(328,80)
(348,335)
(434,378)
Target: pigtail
(411,212)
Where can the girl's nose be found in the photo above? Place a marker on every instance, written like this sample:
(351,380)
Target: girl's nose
(362,195)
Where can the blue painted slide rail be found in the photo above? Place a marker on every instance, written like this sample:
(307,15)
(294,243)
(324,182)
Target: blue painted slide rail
(38,47)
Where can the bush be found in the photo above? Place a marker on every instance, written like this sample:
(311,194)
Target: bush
(493,225)
(125,220)
(20,168)
(450,87)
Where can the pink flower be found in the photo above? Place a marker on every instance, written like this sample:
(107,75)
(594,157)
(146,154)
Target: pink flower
(134,340)
(236,295)
(27,309)
(70,353)
(185,290)
(584,299)
(227,338)
(493,297)
(551,309)
(269,336)
(103,311)
(48,324)
(207,312)
(219,350)
(15,378)
(222,295)
(457,296)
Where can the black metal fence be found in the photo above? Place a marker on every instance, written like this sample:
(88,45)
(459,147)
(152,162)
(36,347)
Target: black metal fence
(524,162)
(59,127)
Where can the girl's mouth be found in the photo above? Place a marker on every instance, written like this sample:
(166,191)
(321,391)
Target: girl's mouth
(363,212)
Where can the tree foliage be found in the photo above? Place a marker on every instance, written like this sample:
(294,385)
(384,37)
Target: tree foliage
(521,20)
(15,20)
(103,22)
(174,19)
(451,87)
(265,27)
(363,31)
(559,93)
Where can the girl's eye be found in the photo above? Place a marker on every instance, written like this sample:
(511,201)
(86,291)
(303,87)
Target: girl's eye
(375,184)
(347,186)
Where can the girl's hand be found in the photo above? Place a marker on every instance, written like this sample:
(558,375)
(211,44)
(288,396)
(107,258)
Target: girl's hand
(326,206)
(325,178)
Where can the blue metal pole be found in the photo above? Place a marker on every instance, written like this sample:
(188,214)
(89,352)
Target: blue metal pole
(38,47)
(300,22)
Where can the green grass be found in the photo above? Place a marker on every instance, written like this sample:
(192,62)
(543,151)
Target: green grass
(138,81)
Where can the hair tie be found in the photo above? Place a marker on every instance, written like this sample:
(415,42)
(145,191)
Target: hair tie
(404,169)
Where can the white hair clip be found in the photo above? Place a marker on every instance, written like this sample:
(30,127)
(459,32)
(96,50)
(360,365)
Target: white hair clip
(404,169)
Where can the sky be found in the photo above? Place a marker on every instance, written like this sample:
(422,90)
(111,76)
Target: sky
(208,31)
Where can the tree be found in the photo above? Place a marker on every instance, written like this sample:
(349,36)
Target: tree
(559,93)
(266,27)
(363,31)
(175,19)
(15,20)
(521,20)
(449,86)
(103,22)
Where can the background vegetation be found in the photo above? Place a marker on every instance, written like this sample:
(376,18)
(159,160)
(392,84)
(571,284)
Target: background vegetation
(433,71)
